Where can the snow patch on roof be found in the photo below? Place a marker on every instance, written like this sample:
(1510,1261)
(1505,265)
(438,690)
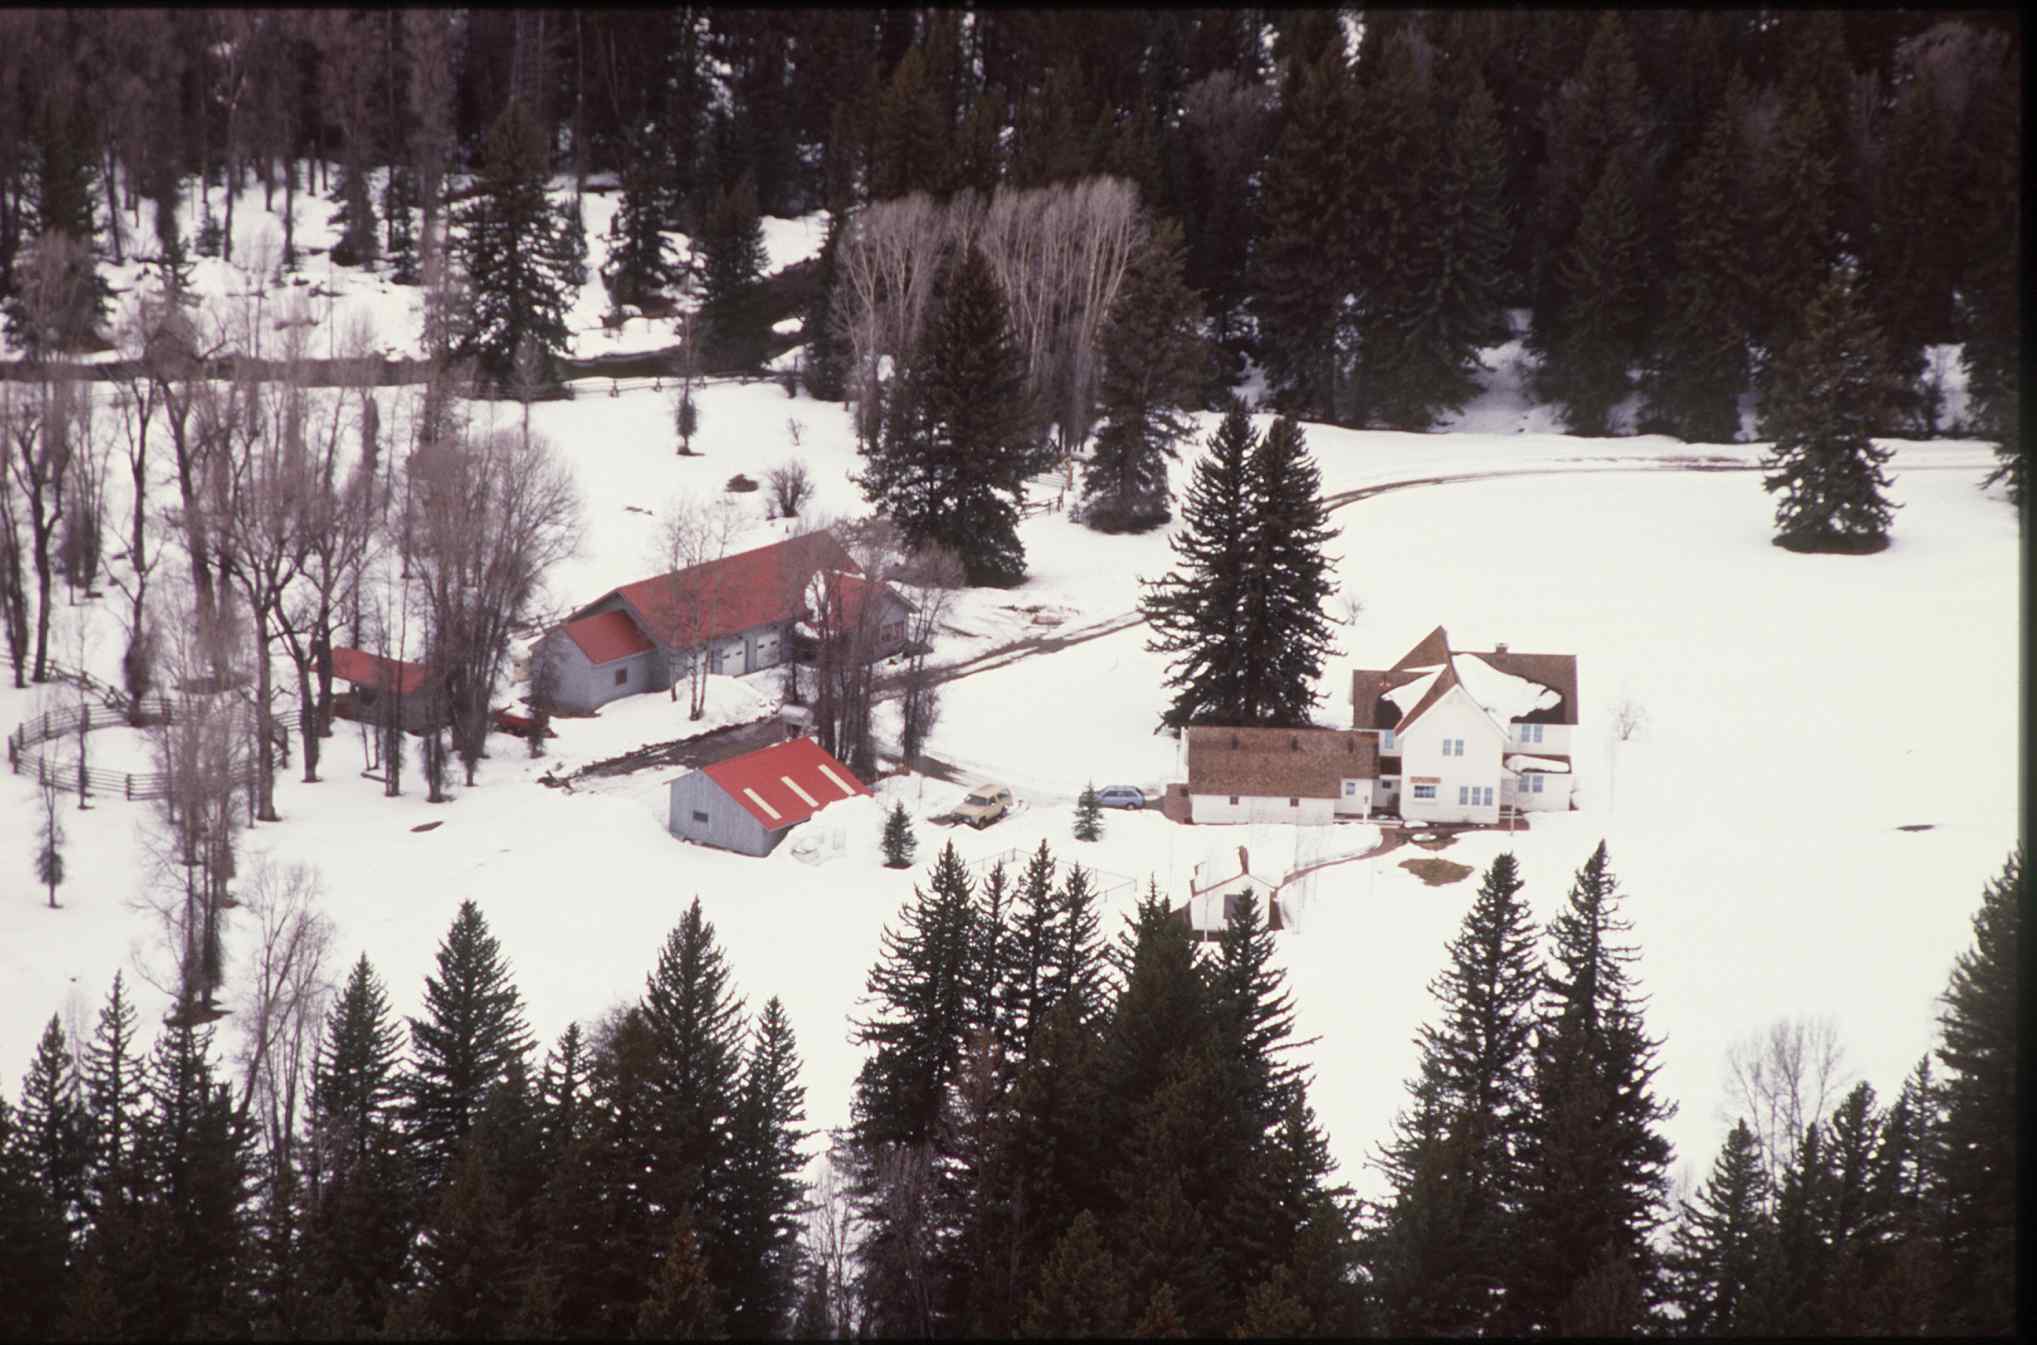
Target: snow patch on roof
(1545,765)
(1503,695)
(1408,695)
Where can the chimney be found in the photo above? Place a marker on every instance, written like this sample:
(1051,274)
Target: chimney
(1500,648)
(1244,861)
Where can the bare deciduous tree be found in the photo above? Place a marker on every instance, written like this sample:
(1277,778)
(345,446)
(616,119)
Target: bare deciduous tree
(1629,718)
(691,535)
(81,542)
(928,579)
(35,421)
(791,487)
(137,399)
(1783,1079)
(829,1241)
(49,837)
(286,994)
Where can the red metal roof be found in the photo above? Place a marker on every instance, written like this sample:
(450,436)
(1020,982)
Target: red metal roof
(850,592)
(377,671)
(783,785)
(739,592)
(607,636)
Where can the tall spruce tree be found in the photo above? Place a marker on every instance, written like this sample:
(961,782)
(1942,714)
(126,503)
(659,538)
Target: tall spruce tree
(766,1201)
(1455,1159)
(1288,579)
(640,263)
(1197,609)
(33,1242)
(826,361)
(1153,365)
(1698,367)
(1595,335)
(732,261)
(1301,263)
(1991,350)
(472,1036)
(1791,226)
(1716,1248)
(52,1124)
(961,434)
(1978,1033)
(1822,401)
(514,251)
(696,1019)
(1596,1164)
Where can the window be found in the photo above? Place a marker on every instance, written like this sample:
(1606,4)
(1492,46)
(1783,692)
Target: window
(1293,802)
(622,677)
(1350,789)
(1234,800)
(1453,747)
(699,816)
(1386,740)
(1425,791)
(1464,793)
(1531,733)
(1534,784)
(1486,800)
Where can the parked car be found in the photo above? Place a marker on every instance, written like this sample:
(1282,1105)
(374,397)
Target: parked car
(984,805)
(1121,796)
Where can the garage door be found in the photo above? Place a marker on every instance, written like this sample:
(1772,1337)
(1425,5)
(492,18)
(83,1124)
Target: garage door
(767,649)
(732,661)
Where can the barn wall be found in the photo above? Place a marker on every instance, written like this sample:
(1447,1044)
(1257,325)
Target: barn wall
(728,824)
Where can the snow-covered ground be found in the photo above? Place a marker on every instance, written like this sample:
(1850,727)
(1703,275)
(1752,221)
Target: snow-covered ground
(1798,711)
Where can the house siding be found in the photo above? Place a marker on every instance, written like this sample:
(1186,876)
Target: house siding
(729,825)
(1358,804)
(1258,808)
(1454,716)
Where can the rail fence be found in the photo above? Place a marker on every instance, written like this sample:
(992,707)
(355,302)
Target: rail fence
(1103,884)
(27,753)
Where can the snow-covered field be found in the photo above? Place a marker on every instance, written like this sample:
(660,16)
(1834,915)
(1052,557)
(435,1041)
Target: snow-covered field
(1798,711)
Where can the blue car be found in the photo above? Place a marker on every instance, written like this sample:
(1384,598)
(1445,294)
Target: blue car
(1121,796)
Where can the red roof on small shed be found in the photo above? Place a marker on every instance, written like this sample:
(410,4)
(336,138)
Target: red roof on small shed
(607,636)
(783,785)
(377,671)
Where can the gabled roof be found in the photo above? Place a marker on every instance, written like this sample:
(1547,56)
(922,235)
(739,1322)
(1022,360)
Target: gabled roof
(849,592)
(1278,763)
(378,671)
(783,785)
(607,636)
(1553,673)
(738,593)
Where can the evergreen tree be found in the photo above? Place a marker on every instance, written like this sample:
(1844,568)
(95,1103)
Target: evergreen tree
(117,1180)
(1991,310)
(1793,1279)
(1907,1195)
(732,272)
(1088,815)
(1822,401)
(472,1035)
(826,361)
(360,1182)
(639,257)
(562,1094)
(682,1301)
(960,435)
(1856,1224)
(899,843)
(1791,226)
(1595,336)
(1288,579)
(1977,1043)
(52,1125)
(767,1200)
(1596,1166)
(1153,363)
(399,199)
(1718,1244)
(514,251)
(1455,1159)
(1197,609)
(1301,267)
(1081,1293)
(1699,365)
(33,1241)
(56,302)
(465,1253)
(696,1019)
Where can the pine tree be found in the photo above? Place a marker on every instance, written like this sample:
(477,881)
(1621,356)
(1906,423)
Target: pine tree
(767,1198)
(1288,580)
(1991,309)
(696,1019)
(960,435)
(1595,336)
(1791,1283)
(1907,1194)
(1302,264)
(71,299)
(685,419)
(1699,365)
(1088,815)
(516,256)
(52,1126)
(1153,361)
(33,1241)
(1596,1166)
(472,1035)
(1718,1244)
(1454,1161)
(1856,1224)
(1197,609)
(682,1304)
(825,361)
(1081,1292)
(116,1181)
(1821,404)
(639,257)
(361,1186)
(399,198)
(1978,1045)
(465,1255)
(899,843)
(732,272)
(1791,227)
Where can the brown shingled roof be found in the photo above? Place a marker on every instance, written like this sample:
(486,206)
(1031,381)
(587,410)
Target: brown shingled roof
(1437,690)
(1558,672)
(1274,763)
(1370,709)
(1431,652)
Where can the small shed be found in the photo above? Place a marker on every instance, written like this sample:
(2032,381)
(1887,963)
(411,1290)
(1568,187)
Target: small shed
(371,677)
(750,803)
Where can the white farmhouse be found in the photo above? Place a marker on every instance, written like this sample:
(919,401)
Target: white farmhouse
(1462,734)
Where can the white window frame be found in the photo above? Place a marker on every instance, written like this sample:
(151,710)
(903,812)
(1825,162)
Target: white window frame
(1425,791)
(1536,787)
(1462,791)
(1350,789)
(1386,740)
(1486,801)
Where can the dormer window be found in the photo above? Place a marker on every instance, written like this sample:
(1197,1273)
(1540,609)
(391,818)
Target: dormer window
(1531,733)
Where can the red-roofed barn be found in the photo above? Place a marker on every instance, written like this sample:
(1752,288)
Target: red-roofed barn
(371,677)
(749,803)
(740,609)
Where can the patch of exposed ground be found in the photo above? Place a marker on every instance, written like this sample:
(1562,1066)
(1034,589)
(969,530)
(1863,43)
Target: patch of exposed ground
(1437,872)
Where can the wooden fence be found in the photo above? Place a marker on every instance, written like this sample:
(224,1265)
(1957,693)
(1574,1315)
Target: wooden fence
(1102,883)
(27,755)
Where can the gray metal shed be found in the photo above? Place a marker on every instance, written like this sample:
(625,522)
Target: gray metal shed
(749,803)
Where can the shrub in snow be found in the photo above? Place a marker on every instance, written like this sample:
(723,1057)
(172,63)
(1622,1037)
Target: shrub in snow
(741,483)
(1088,815)
(791,487)
(898,843)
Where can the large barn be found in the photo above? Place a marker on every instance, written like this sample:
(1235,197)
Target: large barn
(749,803)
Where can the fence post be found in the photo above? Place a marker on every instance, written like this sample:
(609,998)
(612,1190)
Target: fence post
(127,787)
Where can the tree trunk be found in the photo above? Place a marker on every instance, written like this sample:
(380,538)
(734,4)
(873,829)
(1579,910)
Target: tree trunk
(307,720)
(265,718)
(113,207)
